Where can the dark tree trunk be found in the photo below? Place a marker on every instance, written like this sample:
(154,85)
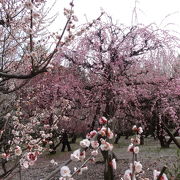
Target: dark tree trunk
(95,118)
(171,135)
(161,137)
(108,170)
(163,142)
(74,138)
(141,139)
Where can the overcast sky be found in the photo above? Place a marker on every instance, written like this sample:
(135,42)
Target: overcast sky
(161,12)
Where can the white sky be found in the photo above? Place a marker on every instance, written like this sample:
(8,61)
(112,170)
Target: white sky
(148,11)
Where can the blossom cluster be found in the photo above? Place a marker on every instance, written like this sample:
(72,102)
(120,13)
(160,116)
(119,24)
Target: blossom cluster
(135,168)
(27,138)
(95,140)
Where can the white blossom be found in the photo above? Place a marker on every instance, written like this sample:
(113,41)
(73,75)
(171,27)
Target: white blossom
(53,162)
(102,120)
(75,155)
(114,165)
(25,164)
(156,174)
(75,18)
(138,167)
(134,128)
(127,175)
(140,130)
(80,171)
(65,171)
(85,143)
(136,149)
(18,151)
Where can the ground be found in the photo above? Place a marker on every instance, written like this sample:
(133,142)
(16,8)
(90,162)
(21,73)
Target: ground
(151,156)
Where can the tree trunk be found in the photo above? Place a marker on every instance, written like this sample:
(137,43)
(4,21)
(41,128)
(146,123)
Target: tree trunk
(74,137)
(163,142)
(160,134)
(171,135)
(108,170)
(141,139)
(176,133)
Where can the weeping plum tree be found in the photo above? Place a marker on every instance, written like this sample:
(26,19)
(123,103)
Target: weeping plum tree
(126,69)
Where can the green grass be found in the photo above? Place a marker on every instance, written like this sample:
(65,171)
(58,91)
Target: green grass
(150,148)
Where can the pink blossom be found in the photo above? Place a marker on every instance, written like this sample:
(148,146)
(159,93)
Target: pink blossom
(102,131)
(94,153)
(106,146)
(106,132)
(82,155)
(135,140)
(91,135)
(110,134)
(5,156)
(94,144)
(131,148)
(31,156)
(102,120)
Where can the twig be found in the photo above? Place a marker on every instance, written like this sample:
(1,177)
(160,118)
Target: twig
(77,170)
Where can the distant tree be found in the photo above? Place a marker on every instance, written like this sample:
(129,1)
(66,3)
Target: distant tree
(122,66)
